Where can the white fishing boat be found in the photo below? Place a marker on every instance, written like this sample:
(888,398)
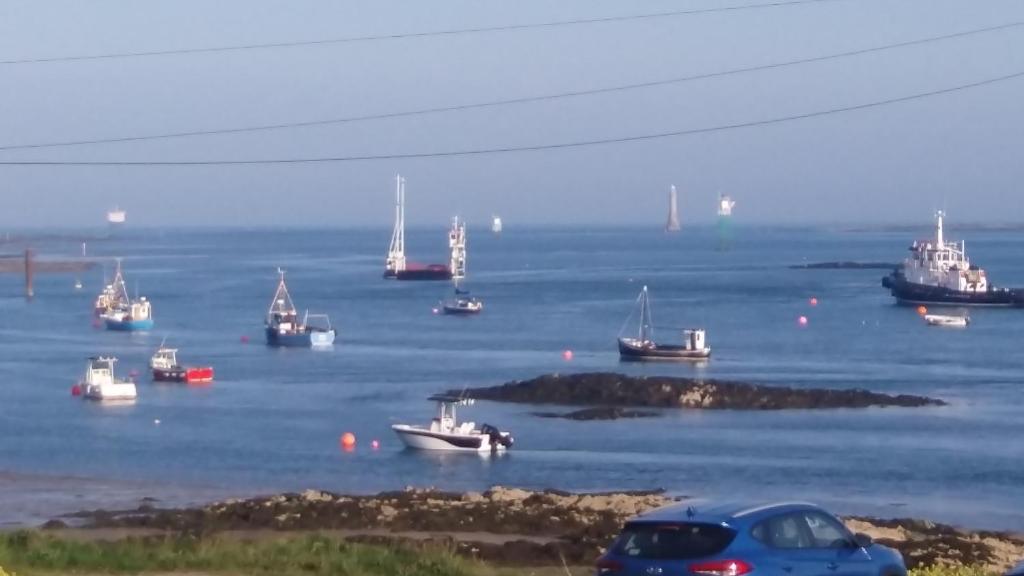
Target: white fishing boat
(445,432)
(947,320)
(101,384)
(496,224)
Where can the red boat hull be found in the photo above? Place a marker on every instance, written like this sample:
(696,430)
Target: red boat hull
(190,375)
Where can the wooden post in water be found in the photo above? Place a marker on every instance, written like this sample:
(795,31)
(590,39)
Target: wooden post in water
(29,291)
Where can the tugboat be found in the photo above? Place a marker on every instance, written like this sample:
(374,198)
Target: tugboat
(395,265)
(165,367)
(938,272)
(284,329)
(123,313)
(101,384)
(643,346)
(445,433)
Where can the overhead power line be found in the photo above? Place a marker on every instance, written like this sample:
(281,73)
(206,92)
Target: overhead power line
(450,32)
(512,101)
(528,148)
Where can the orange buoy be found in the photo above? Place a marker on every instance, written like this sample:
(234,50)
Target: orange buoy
(814,301)
(802,320)
(922,310)
(76,390)
(567,354)
(348,440)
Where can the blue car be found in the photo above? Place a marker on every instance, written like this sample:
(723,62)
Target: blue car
(785,539)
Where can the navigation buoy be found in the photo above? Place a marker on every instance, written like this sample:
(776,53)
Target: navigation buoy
(76,390)
(922,310)
(375,445)
(802,320)
(567,354)
(156,421)
(348,440)
(434,310)
(814,301)
(244,339)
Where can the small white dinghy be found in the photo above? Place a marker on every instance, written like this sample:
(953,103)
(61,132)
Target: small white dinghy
(944,320)
(445,433)
(101,384)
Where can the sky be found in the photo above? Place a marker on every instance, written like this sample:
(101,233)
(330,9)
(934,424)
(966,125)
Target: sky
(960,151)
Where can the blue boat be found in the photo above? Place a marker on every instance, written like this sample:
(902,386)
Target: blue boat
(283,327)
(123,313)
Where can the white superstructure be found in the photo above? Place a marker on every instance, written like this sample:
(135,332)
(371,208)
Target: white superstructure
(116,216)
(944,264)
(725,205)
(395,261)
(100,383)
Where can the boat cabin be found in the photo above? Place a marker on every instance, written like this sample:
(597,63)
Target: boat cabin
(164,359)
(100,370)
(445,422)
(693,339)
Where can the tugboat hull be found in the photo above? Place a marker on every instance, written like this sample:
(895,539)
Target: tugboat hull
(912,293)
(307,339)
(632,351)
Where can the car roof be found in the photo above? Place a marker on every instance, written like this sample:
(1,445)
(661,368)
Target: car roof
(731,513)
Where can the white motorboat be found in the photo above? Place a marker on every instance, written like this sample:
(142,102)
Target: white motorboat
(944,320)
(101,384)
(445,433)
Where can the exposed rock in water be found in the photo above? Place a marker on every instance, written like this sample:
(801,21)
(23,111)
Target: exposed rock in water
(609,389)
(511,526)
(601,413)
(845,266)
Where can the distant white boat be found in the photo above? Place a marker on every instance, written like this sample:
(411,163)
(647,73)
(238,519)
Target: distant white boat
(116,216)
(101,384)
(496,225)
(725,205)
(944,320)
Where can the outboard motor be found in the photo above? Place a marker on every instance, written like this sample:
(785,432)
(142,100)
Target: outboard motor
(496,436)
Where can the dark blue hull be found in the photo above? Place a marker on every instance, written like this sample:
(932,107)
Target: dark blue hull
(300,339)
(911,293)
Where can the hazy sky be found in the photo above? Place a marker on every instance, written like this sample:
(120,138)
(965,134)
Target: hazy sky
(963,150)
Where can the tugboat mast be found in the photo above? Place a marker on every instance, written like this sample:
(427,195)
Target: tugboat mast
(457,243)
(396,253)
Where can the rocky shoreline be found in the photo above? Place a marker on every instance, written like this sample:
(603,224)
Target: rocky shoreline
(618,390)
(506,526)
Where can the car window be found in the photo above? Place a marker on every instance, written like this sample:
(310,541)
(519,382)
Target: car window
(826,531)
(783,531)
(672,541)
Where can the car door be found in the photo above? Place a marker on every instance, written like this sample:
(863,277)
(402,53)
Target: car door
(833,547)
(791,549)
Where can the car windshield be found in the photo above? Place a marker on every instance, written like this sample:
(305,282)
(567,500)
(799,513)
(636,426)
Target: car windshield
(673,541)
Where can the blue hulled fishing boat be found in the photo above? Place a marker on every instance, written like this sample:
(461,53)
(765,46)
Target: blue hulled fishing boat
(123,313)
(284,328)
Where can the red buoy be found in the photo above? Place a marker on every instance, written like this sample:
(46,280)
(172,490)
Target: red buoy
(348,440)
(802,320)
(814,301)
(244,339)
(375,445)
(567,355)
(76,390)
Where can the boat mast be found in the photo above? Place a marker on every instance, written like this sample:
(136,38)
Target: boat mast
(282,302)
(457,243)
(645,317)
(396,253)
(938,230)
(673,211)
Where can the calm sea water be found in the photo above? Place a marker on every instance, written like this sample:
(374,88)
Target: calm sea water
(273,418)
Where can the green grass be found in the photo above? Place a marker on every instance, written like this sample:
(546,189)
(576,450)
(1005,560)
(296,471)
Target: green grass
(27,552)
